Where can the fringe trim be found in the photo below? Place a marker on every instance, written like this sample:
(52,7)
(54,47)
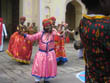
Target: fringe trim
(18,60)
(96,17)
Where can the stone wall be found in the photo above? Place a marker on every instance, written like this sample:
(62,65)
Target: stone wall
(37,10)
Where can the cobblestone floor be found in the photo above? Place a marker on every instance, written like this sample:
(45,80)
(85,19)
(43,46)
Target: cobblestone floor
(13,72)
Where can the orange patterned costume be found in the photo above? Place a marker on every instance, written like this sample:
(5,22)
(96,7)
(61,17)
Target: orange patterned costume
(59,45)
(19,48)
(60,49)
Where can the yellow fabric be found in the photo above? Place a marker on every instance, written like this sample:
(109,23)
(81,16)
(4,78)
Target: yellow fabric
(96,17)
(84,56)
(18,60)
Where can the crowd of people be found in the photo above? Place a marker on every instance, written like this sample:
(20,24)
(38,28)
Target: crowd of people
(94,44)
(51,47)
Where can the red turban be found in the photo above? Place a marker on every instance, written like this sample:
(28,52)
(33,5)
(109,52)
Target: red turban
(45,22)
(23,18)
(52,18)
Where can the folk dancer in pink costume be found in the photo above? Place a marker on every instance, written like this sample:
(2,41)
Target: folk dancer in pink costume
(44,65)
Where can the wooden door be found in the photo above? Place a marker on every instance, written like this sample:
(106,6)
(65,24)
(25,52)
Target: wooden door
(70,17)
(10,14)
(15,14)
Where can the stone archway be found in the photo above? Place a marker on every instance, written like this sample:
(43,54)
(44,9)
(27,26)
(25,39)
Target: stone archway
(73,13)
(70,15)
(78,13)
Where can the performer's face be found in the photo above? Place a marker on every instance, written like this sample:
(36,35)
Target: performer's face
(22,22)
(53,22)
(48,28)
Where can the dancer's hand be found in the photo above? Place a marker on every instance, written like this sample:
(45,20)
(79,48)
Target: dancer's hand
(22,33)
(6,37)
(67,30)
(66,25)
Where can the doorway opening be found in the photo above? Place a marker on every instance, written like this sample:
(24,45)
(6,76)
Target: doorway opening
(9,11)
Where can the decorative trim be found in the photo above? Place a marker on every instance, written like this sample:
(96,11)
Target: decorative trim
(62,59)
(44,77)
(18,60)
(96,17)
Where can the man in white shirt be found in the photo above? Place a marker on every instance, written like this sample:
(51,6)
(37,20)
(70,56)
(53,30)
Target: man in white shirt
(3,33)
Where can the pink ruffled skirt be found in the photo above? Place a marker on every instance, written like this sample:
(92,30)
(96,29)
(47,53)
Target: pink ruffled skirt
(44,65)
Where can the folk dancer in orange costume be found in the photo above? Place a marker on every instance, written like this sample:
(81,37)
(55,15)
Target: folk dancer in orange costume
(19,48)
(59,44)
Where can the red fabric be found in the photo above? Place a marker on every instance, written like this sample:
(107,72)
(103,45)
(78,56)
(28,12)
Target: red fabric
(1,27)
(1,19)
(20,48)
(56,38)
(67,39)
(53,18)
(45,22)
(59,47)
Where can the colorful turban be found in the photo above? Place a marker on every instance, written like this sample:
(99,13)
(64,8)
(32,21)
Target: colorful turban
(52,18)
(45,22)
(23,18)
(1,19)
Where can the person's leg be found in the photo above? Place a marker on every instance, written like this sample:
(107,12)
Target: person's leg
(80,54)
(37,80)
(1,47)
(46,80)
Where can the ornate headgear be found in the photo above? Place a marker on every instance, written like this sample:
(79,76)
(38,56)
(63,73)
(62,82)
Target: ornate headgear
(45,22)
(52,18)
(23,18)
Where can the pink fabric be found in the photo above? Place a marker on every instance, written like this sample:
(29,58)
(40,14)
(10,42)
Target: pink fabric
(44,65)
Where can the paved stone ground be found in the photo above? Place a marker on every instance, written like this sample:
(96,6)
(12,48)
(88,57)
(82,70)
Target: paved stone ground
(13,72)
